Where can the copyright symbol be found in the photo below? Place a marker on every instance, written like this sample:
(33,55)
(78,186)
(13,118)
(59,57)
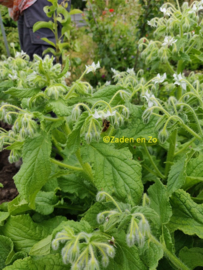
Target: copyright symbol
(106,139)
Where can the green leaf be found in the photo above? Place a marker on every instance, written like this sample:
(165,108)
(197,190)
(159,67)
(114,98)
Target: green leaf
(45,202)
(18,206)
(151,255)
(15,145)
(192,257)
(177,175)
(6,250)
(22,92)
(159,201)
(75,11)
(187,215)
(194,172)
(166,239)
(73,141)
(25,233)
(59,107)
(135,127)
(66,68)
(75,184)
(116,172)
(3,217)
(49,41)
(35,169)
(42,247)
(49,262)
(39,25)
(106,93)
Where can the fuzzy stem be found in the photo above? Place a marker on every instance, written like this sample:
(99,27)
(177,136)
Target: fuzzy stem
(176,261)
(171,152)
(152,162)
(65,165)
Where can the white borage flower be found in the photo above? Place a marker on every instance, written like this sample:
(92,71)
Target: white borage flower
(13,77)
(179,81)
(152,23)
(102,115)
(93,264)
(108,83)
(20,54)
(159,78)
(92,68)
(148,96)
(169,41)
(195,8)
(131,71)
(165,11)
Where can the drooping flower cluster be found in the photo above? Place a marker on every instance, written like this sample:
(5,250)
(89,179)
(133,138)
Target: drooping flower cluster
(82,250)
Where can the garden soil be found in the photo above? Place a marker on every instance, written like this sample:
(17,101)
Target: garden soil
(7,171)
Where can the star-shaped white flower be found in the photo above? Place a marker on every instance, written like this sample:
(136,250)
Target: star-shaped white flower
(148,96)
(108,83)
(20,54)
(179,81)
(103,115)
(131,71)
(159,78)
(152,23)
(92,68)
(165,11)
(168,41)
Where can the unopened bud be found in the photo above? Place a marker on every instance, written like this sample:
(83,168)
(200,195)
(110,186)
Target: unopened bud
(163,135)
(130,239)
(88,137)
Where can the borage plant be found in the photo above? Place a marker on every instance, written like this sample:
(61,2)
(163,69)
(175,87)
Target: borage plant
(138,204)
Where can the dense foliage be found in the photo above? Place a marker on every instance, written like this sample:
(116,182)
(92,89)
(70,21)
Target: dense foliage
(127,191)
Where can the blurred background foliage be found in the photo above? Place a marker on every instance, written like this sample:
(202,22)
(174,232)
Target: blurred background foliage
(113,28)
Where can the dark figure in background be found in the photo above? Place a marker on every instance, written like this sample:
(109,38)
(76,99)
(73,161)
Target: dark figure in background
(27,13)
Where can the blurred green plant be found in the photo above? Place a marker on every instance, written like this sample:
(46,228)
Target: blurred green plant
(11,32)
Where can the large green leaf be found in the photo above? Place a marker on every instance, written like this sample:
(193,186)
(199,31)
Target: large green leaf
(42,247)
(194,172)
(151,255)
(116,172)
(177,175)
(22,92)
(36,167)
(187,215)
(59,107)
(25,233)
(192,257)
(6,250)
(45,202)
(3,217)
(135,127)
(49,262)
(159,201)
(73,141)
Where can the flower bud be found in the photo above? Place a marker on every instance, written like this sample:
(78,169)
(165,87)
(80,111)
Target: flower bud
(145,200)
(163,135)
(76,113)
(55,244)
(75,267)
(97,136)
(185,6)
(8,118)
(144,227)
(126,112)
(100,218)
(105,261)
(88,137)
(111,251)
(130,239)
(23,133)
(100,196)
(140,239)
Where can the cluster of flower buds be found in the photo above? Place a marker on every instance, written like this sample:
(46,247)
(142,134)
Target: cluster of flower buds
(24,126)
(55,91)
(92,125)
(83,249)
(139,228)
